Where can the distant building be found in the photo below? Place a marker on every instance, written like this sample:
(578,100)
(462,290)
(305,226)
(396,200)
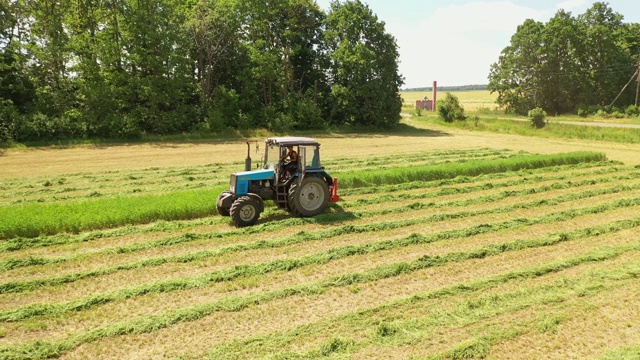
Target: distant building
(424,104)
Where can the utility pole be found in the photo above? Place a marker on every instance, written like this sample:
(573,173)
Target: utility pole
(635,75)
(638,81)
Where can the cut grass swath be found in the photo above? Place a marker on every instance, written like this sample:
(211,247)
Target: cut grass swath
(307,236)
(28,311)
(530,176)
(467,168)
(35,219)
(46,349)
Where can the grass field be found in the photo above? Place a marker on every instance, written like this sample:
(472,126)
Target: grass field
(472,101)
(537,262)
(482,103)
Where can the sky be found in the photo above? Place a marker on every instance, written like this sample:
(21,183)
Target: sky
(455,42)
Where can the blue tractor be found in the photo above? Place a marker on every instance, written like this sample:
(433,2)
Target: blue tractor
(301,186)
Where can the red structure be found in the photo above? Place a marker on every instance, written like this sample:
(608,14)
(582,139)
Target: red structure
(435,94)
(426,104)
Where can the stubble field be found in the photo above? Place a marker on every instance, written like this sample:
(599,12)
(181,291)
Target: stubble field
(535,263)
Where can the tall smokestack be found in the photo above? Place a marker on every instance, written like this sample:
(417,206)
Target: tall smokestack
(435,93)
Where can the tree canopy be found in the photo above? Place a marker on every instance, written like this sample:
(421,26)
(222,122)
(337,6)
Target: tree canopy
(122,68)
(569,63)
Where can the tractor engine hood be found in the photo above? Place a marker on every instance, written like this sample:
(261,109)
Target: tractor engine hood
(239,184)
(265,174)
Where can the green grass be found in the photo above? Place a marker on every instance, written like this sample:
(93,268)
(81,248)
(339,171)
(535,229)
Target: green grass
(32,220)
(465,313)
(576,217)
(46,349)
(551,130)
(51,309)
(630,353)
(467,168)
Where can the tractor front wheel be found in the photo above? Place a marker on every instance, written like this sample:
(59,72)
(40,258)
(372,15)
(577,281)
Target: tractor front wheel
(245,211)
(222,210)
(310,197)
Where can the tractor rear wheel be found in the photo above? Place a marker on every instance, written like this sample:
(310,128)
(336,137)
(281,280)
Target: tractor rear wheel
(310,197)
(245,211)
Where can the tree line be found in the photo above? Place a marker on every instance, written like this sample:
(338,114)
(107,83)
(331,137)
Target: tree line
(569,64)
(124,68)
(475,87)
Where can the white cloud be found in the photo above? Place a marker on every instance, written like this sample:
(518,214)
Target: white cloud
(572,5)
(457,44)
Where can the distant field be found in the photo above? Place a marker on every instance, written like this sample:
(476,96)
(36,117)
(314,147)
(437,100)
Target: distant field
(413,263)
(470,100)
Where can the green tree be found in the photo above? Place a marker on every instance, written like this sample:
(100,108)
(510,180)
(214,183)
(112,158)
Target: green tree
(607,64)
(363,70)
(15,84)
(222,68)
(567,63)
(537,118)
(560,75)
(450,109)
(515,77)
(158,85)
(283,41)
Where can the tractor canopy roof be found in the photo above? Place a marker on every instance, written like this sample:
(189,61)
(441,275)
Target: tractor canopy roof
(289,140)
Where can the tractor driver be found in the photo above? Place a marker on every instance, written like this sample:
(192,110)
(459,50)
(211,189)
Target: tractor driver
(290,161)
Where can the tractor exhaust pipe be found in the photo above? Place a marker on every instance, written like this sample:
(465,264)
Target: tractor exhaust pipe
(247,161)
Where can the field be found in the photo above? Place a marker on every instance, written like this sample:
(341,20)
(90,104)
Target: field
(472,101)
(541,262)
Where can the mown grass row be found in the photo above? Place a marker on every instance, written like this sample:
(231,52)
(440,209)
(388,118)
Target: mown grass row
(324,257)
(532,176)
(44,349)
(418,159)
(21,286)
(155,178)
(525,176)
(469,168)
(14,263)
(489,198)
(35,219)
(357,331)
(86,186)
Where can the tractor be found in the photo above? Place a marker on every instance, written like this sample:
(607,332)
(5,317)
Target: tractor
(301,187)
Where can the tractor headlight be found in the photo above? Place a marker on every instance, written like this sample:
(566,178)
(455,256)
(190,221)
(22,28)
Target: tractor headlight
(232,184)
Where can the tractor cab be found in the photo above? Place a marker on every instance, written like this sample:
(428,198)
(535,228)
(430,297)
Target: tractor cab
(292,176)
(307,160)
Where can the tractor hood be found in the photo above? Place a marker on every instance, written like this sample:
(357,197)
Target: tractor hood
(240,181)
(265,174)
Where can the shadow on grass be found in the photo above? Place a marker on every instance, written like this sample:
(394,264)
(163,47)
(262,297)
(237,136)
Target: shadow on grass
(334,214)
(172,141)
(401,129)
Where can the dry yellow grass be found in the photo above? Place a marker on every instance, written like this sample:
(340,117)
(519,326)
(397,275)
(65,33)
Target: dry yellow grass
(54,162)
(286,314)
(470,100)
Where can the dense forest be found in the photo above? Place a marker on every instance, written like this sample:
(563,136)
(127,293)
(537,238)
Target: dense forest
(570,64)
(125,68)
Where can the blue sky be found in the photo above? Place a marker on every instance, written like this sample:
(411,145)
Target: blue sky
(455,42)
